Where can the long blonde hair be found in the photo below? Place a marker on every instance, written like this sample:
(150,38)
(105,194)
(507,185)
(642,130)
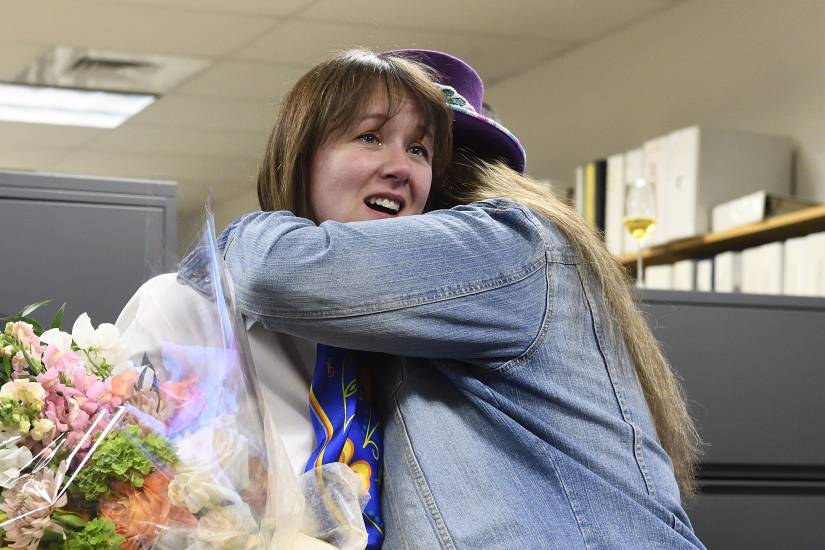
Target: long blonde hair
(469,179)
(326,100)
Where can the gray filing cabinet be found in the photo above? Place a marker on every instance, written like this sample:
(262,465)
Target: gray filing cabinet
(86,241)
(754,372)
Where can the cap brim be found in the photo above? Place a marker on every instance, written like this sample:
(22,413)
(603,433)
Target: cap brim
(487,138)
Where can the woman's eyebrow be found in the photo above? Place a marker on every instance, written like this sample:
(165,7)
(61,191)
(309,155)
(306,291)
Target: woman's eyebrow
(372,116)
(423,130)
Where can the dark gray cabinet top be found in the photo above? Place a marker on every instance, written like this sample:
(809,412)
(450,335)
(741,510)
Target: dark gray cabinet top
(87,241)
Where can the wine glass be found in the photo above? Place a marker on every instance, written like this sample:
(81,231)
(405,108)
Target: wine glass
(640,217)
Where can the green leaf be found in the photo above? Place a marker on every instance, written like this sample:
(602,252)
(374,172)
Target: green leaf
(58,318)
(7,369)
(51,537)
(98,534)
(31,308)
(68,520)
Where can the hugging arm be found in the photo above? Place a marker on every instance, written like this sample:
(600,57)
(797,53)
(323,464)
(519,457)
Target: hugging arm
(469,282)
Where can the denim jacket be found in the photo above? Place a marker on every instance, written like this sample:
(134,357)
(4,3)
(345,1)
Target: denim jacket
(510,419)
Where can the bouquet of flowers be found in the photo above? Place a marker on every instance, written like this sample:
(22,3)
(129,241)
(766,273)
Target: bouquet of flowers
(149,433)
(100,451)
(77,466)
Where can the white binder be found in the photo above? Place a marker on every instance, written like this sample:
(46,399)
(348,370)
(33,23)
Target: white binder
(683,275)
(727,272)
(796,279)
(659,277)
(702,167)
(816,254)
(771,257)
(704,275)
(614,215)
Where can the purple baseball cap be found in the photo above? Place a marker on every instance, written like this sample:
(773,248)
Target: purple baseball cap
(464,92)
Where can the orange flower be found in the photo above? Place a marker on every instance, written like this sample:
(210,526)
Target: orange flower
(255,493)
(185,399)
(180,392)
(140,515)
(123,385)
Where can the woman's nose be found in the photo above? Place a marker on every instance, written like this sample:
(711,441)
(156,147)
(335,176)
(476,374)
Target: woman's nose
(397,164)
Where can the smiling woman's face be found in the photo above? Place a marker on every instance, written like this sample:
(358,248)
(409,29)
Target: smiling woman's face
(376,168)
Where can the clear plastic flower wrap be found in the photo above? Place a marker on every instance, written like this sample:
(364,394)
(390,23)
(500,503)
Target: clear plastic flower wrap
(151,433)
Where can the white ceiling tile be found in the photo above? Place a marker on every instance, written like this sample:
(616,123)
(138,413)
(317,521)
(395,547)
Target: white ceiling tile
(309,42)
(181,112)
(30,157)
(14,57)
(129,28)
(46,135)
(243,80)
(172,141)
(259,7)
(552,19)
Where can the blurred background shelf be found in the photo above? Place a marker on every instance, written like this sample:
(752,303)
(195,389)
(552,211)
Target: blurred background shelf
(777,228)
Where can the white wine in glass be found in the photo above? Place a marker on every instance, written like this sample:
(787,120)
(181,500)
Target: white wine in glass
(640,228)
(640,217)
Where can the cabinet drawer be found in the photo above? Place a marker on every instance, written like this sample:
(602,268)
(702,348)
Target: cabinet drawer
(759,521)
(753,372)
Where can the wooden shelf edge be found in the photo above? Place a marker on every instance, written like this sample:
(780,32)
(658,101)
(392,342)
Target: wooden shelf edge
(786,226)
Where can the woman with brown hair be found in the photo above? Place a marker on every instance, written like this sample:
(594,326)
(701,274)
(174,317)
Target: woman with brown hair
(527,404)
(359,137)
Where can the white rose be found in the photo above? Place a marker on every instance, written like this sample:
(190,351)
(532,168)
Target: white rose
(213,468)
(196,488)
(220,446)
(229,527)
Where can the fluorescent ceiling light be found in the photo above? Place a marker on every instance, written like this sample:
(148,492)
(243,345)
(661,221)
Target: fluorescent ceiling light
(69,107)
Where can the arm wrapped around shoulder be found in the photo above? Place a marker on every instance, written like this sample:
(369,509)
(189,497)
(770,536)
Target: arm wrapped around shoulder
(469,282)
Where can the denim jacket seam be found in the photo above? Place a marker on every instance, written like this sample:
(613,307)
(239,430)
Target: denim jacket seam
(510,366)
(426,298)
(423,488)
(229,242)
(568,494)
(598,328)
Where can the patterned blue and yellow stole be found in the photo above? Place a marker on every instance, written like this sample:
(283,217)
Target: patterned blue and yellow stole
(346,429)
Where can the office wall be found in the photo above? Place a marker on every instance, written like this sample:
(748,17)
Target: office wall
(751,64)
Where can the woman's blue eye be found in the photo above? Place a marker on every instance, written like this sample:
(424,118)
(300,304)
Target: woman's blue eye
(420,151)
(368,138)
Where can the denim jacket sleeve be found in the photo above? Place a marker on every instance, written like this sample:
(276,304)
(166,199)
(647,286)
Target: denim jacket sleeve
(467,283)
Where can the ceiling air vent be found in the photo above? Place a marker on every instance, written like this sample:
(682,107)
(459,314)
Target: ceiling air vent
(109,70)
(93,64)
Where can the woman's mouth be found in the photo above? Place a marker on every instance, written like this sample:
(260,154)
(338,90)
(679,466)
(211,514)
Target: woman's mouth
(385,205)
